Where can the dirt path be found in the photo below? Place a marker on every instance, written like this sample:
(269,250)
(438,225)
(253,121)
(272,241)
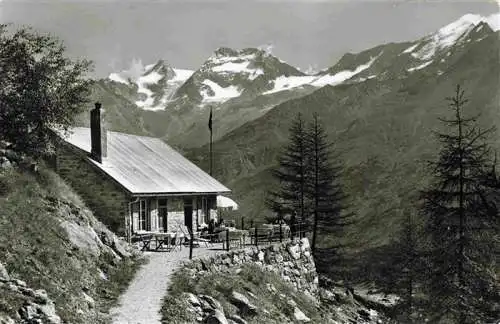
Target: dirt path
(141,303)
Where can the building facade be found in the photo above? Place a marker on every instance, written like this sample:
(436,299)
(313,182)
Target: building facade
(135,183)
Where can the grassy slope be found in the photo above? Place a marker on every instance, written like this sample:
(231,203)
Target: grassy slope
(35,248)
(383,130)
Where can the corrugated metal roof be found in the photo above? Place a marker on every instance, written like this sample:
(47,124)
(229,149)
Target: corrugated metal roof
(147,165)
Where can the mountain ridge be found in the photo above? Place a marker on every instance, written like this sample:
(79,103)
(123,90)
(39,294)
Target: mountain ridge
(249,87)
(382,127)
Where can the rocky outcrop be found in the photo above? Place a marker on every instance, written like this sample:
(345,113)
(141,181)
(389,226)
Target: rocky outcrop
(88,234)
(298,315)
(242,302)
(50,239)
(209,310)
(303,300)
(293,261)
(36,306)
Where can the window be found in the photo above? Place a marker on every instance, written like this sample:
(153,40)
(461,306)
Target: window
(162,214)
(143,219)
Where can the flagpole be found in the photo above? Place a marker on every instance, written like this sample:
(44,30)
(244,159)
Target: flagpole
(210,127)
(211,153)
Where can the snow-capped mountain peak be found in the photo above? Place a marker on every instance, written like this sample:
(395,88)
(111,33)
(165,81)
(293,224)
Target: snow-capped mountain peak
(230,73)
(155,82)
(227,61)
(493,21)
(459,26)
(452,33)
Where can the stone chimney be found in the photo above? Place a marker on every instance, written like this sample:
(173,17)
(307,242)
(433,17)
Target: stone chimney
(98,136)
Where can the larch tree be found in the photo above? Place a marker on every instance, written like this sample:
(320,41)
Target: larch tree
(292,173)
(409,263)
(324,189)
(461,221)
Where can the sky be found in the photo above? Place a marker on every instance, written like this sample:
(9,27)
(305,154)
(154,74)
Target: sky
(185,33)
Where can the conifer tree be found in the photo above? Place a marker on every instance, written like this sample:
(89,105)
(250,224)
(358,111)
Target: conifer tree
(291,197)
(461,221)
(323,186)
(409,263)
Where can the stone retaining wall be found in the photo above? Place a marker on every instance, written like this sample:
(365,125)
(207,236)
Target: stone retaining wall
(292,260)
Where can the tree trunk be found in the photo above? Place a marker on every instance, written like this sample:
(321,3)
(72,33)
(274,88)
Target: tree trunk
(461,242)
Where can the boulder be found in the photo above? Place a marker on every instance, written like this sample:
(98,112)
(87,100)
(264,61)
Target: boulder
(260,256)
(364,314)
(279,258)
(271,288)
(84,237)
(119,248)
(109,239)
(49,312)
(236,319)
(102,275)
(5,163)
(294,251)
(90,301)
(242,302)
(299,316)
(40,296)
(217,317)
(28,313)
(209,303)
(4,319)
(192,299)
(304,244)
(12,155)
(3,273)
(19,283)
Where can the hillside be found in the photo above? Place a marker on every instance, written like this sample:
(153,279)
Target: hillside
(58,264)
(382,126)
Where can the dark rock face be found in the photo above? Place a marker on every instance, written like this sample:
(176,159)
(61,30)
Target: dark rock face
(242,302)
(217,317)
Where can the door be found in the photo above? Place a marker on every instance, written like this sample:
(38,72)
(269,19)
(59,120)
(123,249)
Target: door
(188,213)
(144,221)
(162,215)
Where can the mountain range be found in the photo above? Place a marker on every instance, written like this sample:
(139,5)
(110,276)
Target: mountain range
(379,107)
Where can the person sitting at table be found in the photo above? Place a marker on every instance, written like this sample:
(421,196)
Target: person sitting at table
(211,226)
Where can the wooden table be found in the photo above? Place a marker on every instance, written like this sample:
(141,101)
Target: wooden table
(145,238)
(160,239)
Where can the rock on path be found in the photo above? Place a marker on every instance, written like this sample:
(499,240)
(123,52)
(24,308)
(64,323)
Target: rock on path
(142,301)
